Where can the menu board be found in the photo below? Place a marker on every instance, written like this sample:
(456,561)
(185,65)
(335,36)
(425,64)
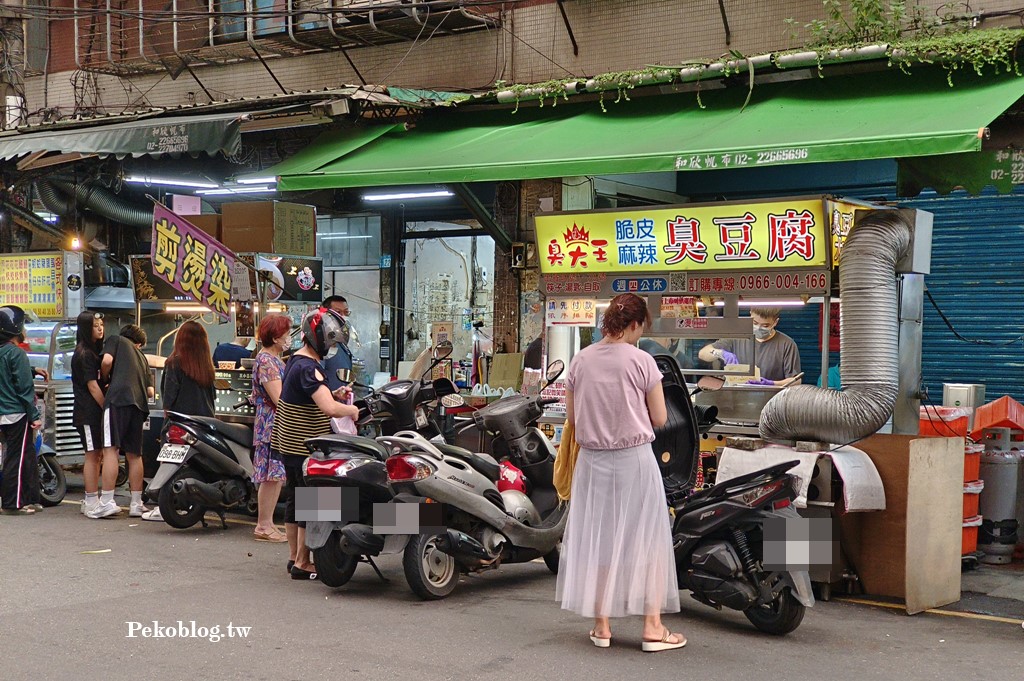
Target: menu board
(34,282)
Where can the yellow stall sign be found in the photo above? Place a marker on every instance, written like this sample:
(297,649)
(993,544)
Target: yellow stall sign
(720,237)
(34,282)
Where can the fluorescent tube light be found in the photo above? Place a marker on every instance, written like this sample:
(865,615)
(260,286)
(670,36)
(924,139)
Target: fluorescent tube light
(236,190)
(762,303)
(186,308)
(332,237)
(256,180)
(169,182)
(407,195)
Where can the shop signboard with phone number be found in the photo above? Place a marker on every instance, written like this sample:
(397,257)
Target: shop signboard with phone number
(783,234)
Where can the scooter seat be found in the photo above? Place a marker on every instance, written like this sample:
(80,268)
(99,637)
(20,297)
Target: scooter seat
(342,443)
(482,463)
(236,432)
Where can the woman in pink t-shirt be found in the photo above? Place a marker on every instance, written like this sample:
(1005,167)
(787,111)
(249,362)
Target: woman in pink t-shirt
(617,550)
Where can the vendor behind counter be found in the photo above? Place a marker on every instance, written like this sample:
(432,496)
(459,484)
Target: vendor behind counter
(777,354)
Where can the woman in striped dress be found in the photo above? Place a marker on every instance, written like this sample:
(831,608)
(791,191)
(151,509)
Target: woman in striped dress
(304,410)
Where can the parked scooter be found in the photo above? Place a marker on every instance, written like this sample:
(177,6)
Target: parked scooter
(205,464)
(718,533)
(356,465)
(483,527)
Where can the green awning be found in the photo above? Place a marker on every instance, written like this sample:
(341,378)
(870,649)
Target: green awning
(847,118)
(325,149)
(209,134)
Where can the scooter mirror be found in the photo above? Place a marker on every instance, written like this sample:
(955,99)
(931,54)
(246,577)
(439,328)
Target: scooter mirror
(443,349)
(555,370)
(344,375)
(710,383)
(451,401)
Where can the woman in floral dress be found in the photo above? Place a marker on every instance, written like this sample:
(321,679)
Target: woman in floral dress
(268,472)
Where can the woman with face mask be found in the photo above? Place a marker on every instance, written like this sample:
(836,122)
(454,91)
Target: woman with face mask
(777,356)
(268,470)
(304,410)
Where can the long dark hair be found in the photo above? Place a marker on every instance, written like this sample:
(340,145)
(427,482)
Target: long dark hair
(625,309)
(191,354)
(84,340)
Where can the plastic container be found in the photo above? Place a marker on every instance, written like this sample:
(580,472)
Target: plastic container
(972,492)
(972,462)
(970,535)
(1003,413)
(944,421)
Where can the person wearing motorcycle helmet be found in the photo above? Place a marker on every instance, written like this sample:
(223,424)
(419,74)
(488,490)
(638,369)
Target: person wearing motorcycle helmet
(22,317)
(304,410)
(19,491)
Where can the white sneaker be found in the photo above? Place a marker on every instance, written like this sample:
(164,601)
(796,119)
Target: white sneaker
(88,507)
(104,510)
(153,515)
(137,510)
(84,508)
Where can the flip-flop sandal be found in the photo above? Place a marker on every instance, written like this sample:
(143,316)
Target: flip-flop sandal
(598,641)
(24,510)
(300,574)
(663,644)
(272,538)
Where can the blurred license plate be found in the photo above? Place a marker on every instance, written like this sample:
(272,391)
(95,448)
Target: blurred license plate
(172,453)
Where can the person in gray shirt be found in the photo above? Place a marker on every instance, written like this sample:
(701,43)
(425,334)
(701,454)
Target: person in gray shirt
(777,355)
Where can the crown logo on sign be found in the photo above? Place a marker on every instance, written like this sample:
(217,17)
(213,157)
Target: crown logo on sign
(577,234)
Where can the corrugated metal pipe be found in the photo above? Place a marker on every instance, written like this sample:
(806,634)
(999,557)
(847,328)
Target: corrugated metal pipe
(53,200)
(870,341)
(94,197)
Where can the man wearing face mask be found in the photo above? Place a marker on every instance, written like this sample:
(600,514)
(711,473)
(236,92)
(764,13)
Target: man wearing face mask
(340,360)
(777,354)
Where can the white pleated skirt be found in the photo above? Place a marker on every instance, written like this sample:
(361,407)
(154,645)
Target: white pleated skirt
(617,549)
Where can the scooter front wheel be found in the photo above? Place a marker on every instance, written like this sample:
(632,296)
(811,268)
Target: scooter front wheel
(431,573)
(52,483)
(334,566)
(173,509)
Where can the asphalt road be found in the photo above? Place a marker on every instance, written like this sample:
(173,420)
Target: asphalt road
(64,614)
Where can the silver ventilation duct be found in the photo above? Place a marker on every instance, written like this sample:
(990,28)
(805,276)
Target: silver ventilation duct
(55,196)
(870,346)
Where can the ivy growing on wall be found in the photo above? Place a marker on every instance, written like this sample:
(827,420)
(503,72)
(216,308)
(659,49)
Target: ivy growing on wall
(910,33)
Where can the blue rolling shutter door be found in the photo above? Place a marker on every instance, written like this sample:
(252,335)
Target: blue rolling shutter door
(977,279)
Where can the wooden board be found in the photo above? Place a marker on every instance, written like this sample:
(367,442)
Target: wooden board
(912,549)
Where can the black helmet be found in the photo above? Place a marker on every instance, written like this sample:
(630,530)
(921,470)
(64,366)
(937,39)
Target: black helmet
(325,331)
(12,322)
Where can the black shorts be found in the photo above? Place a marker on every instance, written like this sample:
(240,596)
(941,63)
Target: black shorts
(122,428)
(92,437)
(293,479)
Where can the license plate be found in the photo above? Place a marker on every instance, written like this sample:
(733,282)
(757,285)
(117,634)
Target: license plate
(172,453)
(421,418)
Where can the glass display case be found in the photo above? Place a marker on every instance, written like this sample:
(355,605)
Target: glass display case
(51,345)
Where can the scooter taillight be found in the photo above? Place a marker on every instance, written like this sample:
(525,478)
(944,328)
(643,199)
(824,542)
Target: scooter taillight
(176,435)
(753,498)
(406,468)
(331,468)
(781,504)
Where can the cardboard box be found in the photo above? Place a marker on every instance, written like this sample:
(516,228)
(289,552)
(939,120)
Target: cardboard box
(269,227)
(209,223)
